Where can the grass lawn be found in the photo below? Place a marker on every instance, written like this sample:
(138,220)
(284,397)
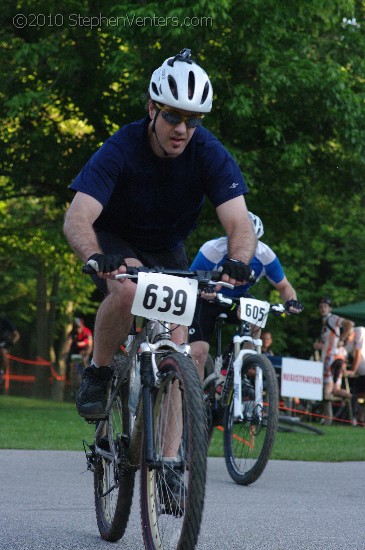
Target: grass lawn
(339,443)
(38,424)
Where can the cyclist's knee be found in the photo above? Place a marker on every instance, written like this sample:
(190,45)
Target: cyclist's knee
(121,294)
(199,352)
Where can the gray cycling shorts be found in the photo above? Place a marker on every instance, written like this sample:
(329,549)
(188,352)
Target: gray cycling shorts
(113,244)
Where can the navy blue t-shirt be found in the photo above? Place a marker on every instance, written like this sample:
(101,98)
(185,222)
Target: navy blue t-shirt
(153,202)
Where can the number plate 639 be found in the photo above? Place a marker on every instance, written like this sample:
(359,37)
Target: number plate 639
(165,298)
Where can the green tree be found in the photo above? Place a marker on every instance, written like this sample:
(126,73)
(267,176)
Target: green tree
(288,82)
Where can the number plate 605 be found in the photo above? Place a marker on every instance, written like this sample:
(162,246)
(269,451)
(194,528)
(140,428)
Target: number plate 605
(254,311)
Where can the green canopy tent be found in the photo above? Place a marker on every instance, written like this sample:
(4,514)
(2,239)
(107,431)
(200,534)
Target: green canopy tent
(355,312)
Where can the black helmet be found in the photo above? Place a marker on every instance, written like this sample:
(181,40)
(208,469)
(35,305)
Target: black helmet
(325,300)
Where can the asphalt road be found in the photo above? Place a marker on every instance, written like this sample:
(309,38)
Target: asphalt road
(47,504)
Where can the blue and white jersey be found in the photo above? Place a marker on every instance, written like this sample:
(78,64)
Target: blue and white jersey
(265,263)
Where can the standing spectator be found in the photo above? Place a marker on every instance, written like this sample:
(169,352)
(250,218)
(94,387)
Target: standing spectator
(266,344)
(355,346)
(79,342)
(334,331)
(9,335)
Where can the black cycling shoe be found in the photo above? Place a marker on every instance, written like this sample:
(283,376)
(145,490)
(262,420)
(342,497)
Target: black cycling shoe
(173,491)
(92,395)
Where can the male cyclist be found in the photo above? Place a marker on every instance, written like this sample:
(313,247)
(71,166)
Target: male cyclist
(139,197)
(212,255)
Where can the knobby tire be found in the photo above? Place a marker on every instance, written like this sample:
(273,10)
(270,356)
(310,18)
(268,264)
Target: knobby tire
(248,443)
(169,522)
(113,509)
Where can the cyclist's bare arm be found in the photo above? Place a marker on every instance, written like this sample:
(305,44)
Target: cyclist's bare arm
(78,225)
(242,240)
(288,295)
(78,228)
(286,290)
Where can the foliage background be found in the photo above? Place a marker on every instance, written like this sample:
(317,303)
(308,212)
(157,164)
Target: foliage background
(288,82)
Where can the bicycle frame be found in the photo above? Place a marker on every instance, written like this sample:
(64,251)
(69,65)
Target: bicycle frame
(155,419)
(247,406)
(241,337)
(148,352)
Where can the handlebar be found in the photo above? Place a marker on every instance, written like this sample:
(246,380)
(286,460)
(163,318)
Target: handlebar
(204,278)
(277,309)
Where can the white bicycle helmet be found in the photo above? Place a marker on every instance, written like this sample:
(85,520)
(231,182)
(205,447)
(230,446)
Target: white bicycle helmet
(183,84)
(257,224)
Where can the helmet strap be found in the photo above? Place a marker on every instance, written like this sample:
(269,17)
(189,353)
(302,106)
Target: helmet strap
(157,110)
(153,128)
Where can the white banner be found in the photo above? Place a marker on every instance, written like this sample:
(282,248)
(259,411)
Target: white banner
(301,378)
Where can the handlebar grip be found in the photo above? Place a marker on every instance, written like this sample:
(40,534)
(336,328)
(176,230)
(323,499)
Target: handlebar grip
(88,270)
(216,275)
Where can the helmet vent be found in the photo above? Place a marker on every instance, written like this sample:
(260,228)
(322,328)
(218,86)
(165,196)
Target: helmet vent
(173,86)
(191,85)
(205,92)
(154,88)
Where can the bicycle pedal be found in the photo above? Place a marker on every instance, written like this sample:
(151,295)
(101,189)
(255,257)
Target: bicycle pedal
(90,461)
(90,455)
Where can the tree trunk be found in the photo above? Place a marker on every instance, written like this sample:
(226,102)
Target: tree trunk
(60,391)
(42,373)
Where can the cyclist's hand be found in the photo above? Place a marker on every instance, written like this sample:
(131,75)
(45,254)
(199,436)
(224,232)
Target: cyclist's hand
(237,272)
(107,264)
(208,293)
(293,306)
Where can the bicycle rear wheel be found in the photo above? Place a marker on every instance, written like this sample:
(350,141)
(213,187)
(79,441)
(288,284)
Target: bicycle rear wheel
(171,513)
(248,442)
(113,480)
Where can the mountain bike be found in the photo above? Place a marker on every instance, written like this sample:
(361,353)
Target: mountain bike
(155,420)
(241,391)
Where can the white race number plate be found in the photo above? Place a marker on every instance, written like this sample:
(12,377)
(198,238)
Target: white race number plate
(254,311)
(165,298)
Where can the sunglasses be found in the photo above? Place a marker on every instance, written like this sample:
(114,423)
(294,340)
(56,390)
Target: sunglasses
(175,118)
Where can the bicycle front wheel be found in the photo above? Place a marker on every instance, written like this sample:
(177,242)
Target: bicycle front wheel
(248,441)
(173,488)
(113,479)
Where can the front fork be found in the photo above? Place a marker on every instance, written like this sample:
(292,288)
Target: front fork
(147,385)
(237,384)
(149,380)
